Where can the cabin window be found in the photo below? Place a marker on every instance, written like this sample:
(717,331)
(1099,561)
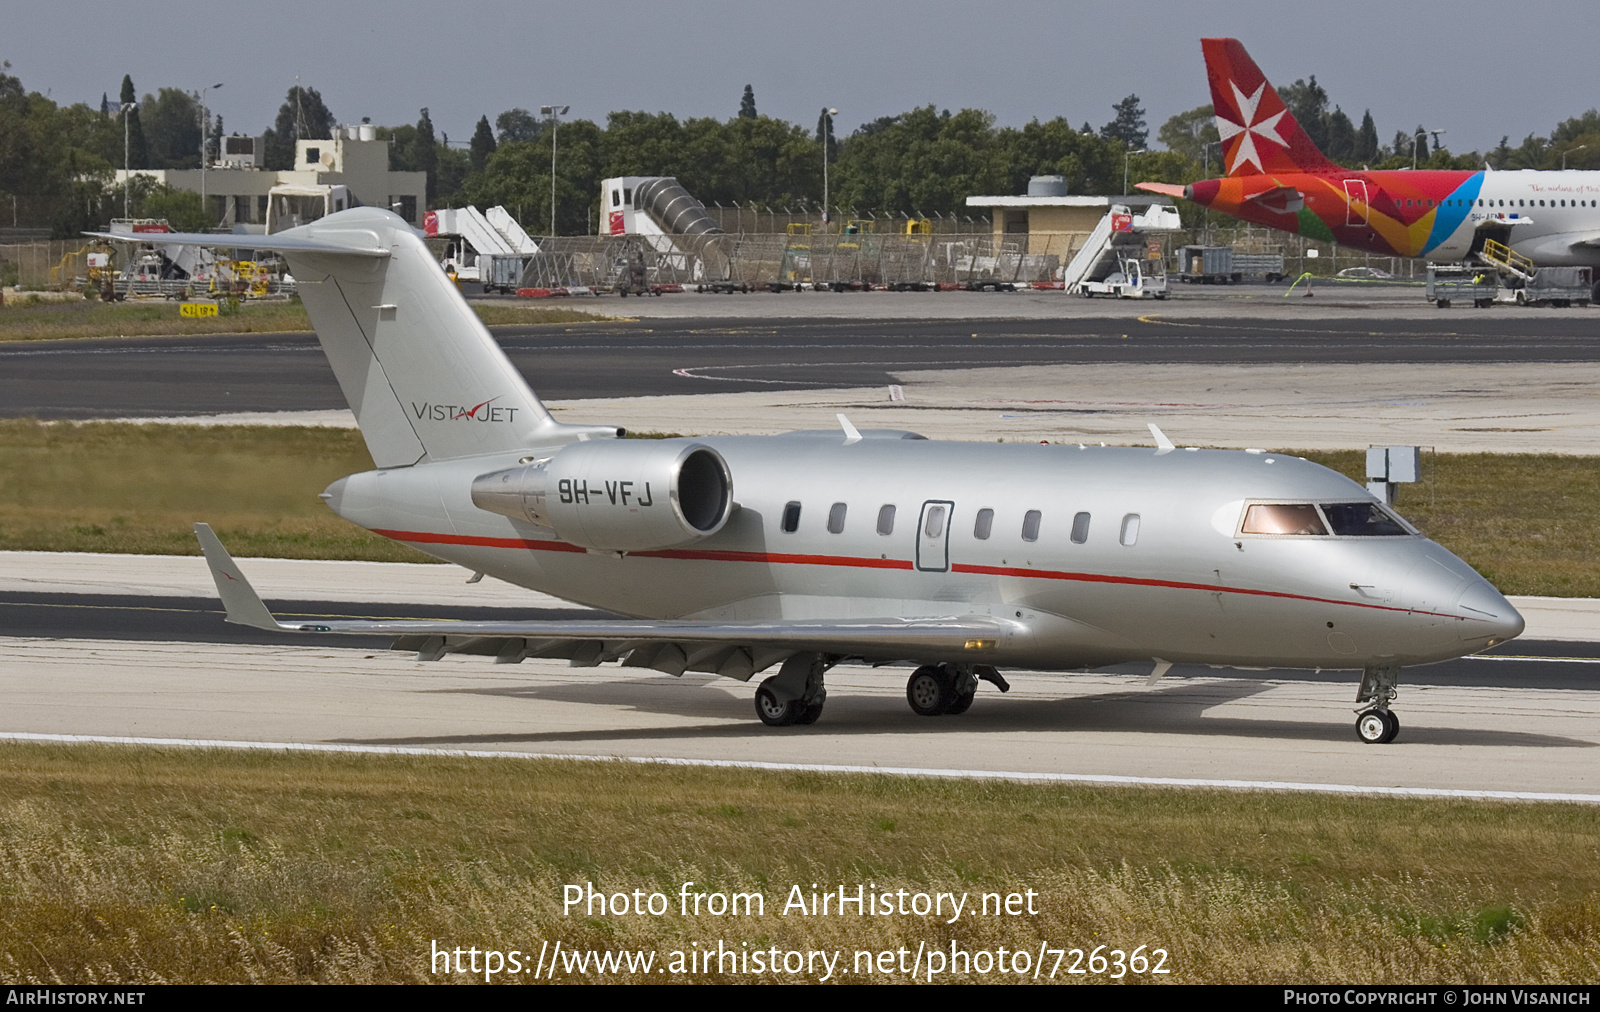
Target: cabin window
(1030,525)
(984,525)
(934,528)
(886,521)
(791,517)
(836,518)
(1080,528)
(1130,529)
(1281,518)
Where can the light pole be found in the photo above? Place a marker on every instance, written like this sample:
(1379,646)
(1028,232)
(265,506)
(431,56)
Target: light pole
(205,138)
(128,108)
(1125,156)
(555,113)
(827,135)
(1564,154)
(1418,136)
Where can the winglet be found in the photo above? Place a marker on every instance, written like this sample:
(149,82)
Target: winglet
(851,433)
(238,597)
(1163,444)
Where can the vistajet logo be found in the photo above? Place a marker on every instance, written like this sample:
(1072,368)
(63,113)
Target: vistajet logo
(427,411)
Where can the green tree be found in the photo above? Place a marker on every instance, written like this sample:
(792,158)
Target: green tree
(483,144)
(172,120)
(1188,132)
(747,104)
(425,156)
(1366,150)
(516,125)
(302,117)
(182,209)
(1341,137)
(138,148)
(1128,126)
(1307,102)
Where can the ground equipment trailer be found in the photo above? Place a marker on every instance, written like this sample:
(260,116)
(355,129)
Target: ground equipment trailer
(1450,283)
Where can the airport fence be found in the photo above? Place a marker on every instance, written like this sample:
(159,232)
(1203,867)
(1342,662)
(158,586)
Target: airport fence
(766,259)
(43,263)
(763,219)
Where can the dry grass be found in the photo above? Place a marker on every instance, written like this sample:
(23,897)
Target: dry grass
(21,320)
(132,864)
(1530,523)
(112,487)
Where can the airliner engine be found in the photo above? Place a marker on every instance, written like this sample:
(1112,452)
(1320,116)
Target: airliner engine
(617,495)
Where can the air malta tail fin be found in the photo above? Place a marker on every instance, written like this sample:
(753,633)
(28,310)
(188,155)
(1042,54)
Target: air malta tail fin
(417,366)
(1259,134)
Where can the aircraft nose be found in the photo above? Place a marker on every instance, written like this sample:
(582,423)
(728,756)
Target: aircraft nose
(1490,618)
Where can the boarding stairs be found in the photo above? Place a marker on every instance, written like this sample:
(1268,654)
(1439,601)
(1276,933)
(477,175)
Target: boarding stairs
(1109,243)
(518,240)
(470,224)
(1506,260)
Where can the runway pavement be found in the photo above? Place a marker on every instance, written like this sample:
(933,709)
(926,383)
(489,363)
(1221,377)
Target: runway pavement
(157,377)
(136,646)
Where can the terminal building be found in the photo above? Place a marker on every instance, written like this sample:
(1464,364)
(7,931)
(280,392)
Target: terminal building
(238,191)
(1048,219)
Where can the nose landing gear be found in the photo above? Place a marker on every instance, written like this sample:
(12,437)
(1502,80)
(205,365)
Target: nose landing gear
(1375,724)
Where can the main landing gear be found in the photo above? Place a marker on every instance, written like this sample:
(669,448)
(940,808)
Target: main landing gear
(1375,724)
(937,689)
(795,694)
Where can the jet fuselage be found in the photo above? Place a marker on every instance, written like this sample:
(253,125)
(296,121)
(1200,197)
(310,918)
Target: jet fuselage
(1546,216)
(1091,555)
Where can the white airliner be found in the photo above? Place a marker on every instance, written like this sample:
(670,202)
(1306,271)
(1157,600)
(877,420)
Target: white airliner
(735,555)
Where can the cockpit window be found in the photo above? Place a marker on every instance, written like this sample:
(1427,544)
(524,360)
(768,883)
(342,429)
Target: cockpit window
(1283,518)
(1361,520)
(1340,519)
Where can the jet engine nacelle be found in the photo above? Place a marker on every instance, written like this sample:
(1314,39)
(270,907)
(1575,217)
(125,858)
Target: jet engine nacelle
(617,495)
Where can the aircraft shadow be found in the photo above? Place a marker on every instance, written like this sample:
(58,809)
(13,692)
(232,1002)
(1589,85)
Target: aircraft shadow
(1176,706)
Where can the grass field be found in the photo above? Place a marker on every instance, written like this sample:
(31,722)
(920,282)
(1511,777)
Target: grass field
(137,864)
(1531,524)
(25,320)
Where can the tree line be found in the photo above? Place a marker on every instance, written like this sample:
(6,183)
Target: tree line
(57,162)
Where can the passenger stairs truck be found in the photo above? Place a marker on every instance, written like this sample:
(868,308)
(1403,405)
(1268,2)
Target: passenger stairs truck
(489,248)
(1121,238)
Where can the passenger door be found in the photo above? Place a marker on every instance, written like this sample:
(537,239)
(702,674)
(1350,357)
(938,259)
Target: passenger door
(933,536)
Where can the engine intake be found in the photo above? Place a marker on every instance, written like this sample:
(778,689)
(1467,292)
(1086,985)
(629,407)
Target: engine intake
(617,495)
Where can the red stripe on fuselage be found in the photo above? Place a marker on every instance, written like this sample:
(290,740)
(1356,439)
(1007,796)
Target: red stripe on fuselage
(713,555)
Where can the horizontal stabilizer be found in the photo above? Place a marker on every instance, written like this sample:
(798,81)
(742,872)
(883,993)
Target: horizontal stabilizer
(1169,189)
(353,243)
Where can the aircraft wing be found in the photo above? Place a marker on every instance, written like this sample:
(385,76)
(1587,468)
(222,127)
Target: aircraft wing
(349,242)
(735,649)
(1588,240)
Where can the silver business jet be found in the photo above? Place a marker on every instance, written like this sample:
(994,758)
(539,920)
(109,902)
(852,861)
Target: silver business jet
(736,555)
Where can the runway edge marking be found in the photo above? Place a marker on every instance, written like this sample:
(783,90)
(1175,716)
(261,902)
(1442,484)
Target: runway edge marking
(1070,778)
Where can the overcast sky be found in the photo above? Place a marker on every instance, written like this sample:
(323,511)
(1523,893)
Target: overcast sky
(1434,65)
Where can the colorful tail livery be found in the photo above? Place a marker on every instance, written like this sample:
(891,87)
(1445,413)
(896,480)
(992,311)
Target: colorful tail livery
(1277,177)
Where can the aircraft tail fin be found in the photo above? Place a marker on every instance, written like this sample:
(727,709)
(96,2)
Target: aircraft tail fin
(419,369)
(1259,133)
